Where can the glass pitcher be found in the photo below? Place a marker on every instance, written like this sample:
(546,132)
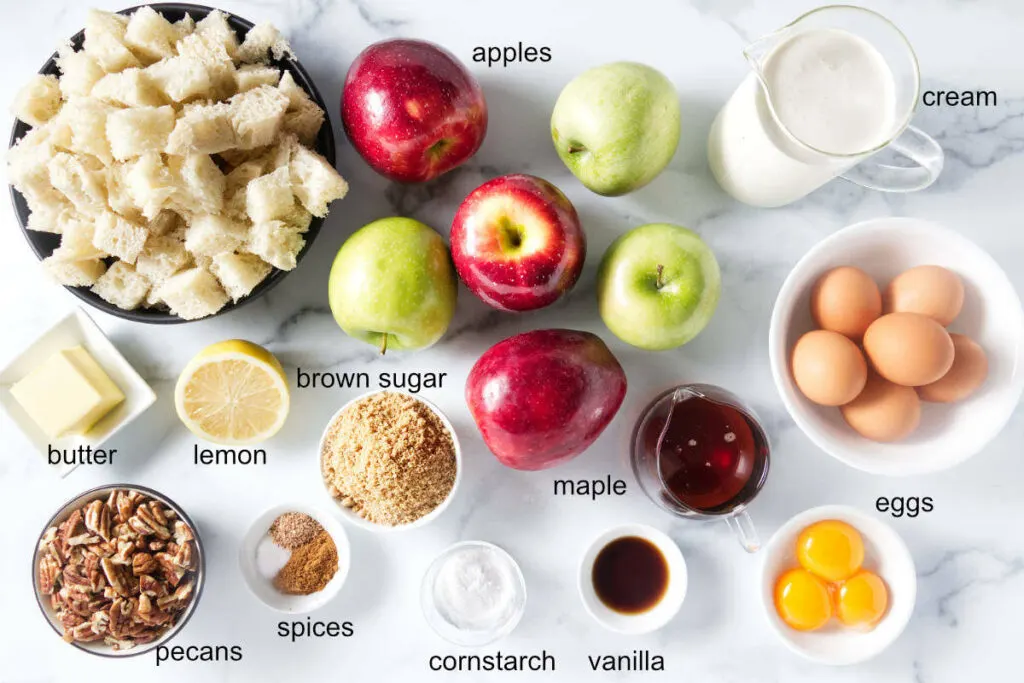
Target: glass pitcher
(719,483)
(760,161)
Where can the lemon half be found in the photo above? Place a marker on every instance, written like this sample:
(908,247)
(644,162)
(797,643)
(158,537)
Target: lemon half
(233,392)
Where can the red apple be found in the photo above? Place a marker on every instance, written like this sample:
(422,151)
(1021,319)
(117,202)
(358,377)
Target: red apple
(517,243)
(412,110)
(541,398)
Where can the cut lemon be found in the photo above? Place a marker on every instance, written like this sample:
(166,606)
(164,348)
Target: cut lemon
(233,392)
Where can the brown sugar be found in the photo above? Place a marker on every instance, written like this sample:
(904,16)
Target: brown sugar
(294,529)
(310,567)
(389,458)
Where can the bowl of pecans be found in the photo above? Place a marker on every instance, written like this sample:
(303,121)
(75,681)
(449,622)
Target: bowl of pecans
(118,570)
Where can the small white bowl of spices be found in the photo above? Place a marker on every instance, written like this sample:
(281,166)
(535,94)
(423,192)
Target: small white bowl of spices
(473,594)
(295,558)
(390,461)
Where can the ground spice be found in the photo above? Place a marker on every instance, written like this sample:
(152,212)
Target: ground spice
(310,567)
(294,529)
(389,458)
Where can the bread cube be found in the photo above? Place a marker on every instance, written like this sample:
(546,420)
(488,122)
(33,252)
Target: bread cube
(79,71)
(119,237)
(161,258)
(215,28)
(298,217)
(192,294)
(104,40)
(269,197)
(204,129)
(27,162)
(74,273)
(165,223)
(207,50)
(87,119)
(200,183)
(210,235)
(150,36)
(316,183)
(260,39)
(254,75)
(38,101)
(304,117)
(81,179)
(49,216)
(77,243)
(119,198)
(239,273)
(129,88)
(150,184)
(277,243)
(257,116)
(180,78)
(133,132)
(185,26)
(122,286)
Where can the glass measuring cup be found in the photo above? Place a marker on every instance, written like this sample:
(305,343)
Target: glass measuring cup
(759,160)
(699,452)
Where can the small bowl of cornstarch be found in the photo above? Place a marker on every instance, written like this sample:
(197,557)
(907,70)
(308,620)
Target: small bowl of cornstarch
(473,594)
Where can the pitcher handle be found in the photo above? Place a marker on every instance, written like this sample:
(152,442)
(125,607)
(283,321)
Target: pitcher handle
(914,144)
(743,526)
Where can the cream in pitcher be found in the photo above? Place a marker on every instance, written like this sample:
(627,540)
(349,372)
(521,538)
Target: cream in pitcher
(826,92)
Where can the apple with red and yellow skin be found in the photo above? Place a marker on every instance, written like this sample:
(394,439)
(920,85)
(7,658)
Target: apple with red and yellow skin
(541,398)
(517,243)
(412,110)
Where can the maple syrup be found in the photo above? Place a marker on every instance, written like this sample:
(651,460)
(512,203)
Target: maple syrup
(700,452)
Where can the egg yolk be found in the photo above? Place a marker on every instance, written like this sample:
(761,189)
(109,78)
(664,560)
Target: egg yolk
(830,549)
(802,600)
(862,600)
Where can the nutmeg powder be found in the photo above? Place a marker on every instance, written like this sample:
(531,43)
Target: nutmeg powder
(310,567)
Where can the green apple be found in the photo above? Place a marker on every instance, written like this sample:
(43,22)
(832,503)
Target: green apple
(658,286)
(616,126)
(393,285)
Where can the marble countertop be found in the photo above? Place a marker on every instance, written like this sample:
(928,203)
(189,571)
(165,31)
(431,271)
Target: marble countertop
(969,551)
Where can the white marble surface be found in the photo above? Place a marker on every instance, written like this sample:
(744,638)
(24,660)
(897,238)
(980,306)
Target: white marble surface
(969,551)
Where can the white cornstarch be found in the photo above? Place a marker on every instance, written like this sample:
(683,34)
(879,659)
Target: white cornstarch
(475,589)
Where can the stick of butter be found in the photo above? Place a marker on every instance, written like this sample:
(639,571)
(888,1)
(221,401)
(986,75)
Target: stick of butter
(67,394)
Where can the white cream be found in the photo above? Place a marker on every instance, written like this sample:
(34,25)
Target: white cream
(835,98)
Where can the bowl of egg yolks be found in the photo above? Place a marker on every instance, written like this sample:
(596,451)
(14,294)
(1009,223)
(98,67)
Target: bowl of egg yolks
(837,585)
(905,431)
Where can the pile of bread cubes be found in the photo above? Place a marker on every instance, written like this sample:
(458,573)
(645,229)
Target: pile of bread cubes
(174,161)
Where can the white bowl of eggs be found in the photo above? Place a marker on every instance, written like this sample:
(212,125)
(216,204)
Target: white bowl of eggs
(897,346)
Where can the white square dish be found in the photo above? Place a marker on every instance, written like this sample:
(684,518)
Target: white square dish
(74,330)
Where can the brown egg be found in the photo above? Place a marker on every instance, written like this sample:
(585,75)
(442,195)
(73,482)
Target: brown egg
(909,349)
(845,300)
(929,290)
(828,368)
(884,411)
(970,367)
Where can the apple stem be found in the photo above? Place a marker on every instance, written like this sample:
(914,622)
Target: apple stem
(384,344)
(659,282)
(573,149)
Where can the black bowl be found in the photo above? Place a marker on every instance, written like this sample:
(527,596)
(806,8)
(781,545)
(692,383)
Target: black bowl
(43,243)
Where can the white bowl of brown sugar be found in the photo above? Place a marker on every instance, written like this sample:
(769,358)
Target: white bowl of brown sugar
(295,558)
(390,461)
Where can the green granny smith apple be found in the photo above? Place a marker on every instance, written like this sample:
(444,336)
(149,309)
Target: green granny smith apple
(616,126)
(393,285)
(658,286)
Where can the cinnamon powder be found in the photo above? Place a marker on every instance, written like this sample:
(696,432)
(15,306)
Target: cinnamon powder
(310,567)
